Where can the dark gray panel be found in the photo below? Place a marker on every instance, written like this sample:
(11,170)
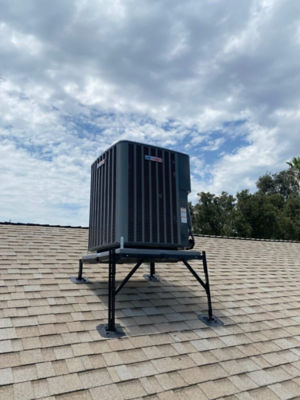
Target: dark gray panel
(138,192)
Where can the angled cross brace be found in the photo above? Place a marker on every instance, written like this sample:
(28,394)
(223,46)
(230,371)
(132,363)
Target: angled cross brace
(204,285)
(210,320)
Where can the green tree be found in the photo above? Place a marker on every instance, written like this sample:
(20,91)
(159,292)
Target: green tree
(213,214)
(258,215)
(273,211)
(284,183)
(295,167)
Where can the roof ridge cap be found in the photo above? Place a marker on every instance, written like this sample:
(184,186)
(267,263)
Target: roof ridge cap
(246,238)
(47,225)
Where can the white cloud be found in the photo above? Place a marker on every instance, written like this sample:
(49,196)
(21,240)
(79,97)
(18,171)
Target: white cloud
(77,75)
(214,144)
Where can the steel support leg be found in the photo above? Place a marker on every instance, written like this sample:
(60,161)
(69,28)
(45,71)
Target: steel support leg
(209,320)
(152,277)
(207,287)
(79,278)
(111,330)
(111,291)
(152,269)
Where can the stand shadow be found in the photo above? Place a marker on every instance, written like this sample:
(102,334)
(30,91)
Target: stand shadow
(144,307)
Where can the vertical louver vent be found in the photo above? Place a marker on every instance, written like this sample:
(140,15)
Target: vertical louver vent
(103,200)
(152,194)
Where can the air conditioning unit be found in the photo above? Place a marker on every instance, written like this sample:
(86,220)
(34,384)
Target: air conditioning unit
(139,198)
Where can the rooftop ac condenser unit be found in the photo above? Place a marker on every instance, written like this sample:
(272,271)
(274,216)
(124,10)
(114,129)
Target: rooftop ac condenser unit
(139,198)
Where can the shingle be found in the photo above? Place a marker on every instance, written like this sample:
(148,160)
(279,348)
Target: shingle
(291,370)
(152,352)
(107,392)
(64,384)
(48,333)
(132,356)
(79,395)
(81,349)
(203,358)
(191,392)
(75,364)
(113,374)
(262,377)
(131,389)
(167,395)
(238,366)
(6,392)
(283,391)
(6,346)
(5,323)
(51,340)
(40,388)
(25,373)
(63,352)
(243,382)
(60,367)
(48,354)
(112,358)
(31,343)
(123,372)
(202,373)
(151,384)
(171,380)
(45,370)
(261,362)
(9,359)
(31,356)
(23,391)
(218,388)
(263,393)
(94,378)
(7,333)
(6,376)
(97,360)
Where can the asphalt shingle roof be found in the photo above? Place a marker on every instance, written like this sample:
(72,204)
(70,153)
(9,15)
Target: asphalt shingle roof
(50,348)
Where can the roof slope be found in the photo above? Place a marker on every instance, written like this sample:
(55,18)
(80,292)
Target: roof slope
(50,348)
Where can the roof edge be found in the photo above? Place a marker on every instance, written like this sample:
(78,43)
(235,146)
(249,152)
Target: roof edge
(48,225)
(246,238)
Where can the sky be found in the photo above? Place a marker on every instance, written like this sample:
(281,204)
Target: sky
(218,80)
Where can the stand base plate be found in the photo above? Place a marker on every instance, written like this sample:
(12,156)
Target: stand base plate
(152,278)
(104,332)
(74,279)
(213,321)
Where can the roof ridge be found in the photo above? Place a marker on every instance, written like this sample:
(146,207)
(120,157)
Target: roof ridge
(246,238)
(49,225)
(195,234)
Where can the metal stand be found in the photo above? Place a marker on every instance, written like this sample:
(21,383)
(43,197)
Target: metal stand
(152,277)
(140,256)
(111,329)
(80,278)
(111,291)
(209,320)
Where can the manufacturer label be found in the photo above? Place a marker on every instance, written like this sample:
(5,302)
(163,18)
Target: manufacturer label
(153,158)
(100,163)
(183,215)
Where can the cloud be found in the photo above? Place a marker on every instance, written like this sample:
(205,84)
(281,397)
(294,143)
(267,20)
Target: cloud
(218,80)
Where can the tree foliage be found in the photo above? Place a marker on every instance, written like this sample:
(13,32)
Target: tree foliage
(272,212)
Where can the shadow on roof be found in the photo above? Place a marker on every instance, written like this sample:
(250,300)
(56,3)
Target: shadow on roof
(144,307)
